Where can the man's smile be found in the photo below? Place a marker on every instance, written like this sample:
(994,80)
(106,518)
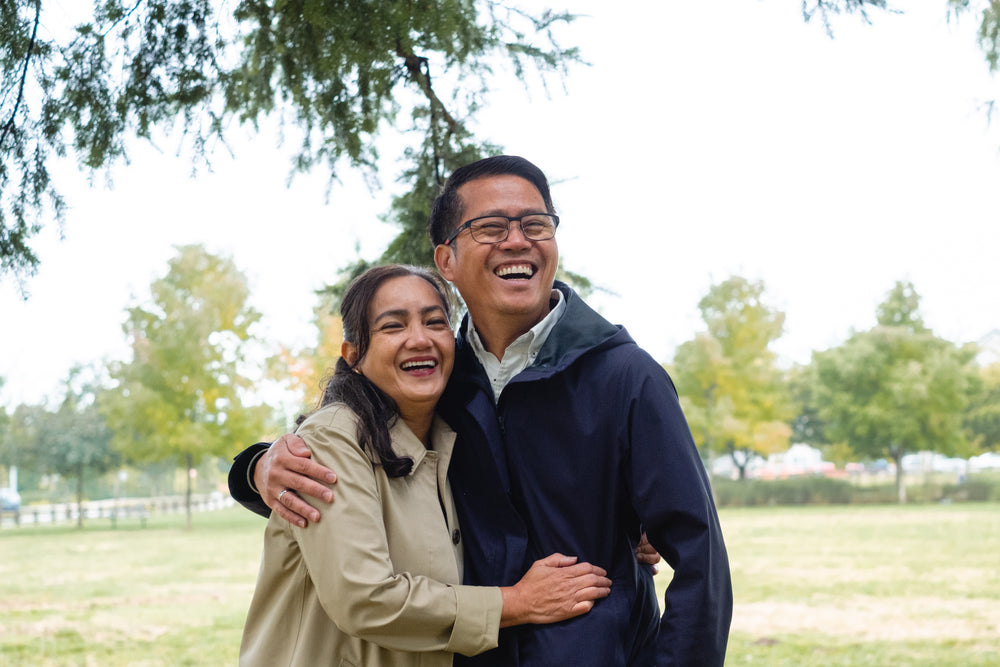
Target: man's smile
(512,271)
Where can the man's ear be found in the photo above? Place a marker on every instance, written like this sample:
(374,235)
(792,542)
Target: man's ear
(349,353)
(444,258)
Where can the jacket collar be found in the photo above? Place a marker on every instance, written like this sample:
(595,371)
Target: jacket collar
(405,443)
(579,330)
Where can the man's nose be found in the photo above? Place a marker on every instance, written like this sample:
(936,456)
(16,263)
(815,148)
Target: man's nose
(515,235)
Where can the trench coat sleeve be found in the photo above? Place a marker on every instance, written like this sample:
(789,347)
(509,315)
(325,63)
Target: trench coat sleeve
(348,559)
(673,498)
(239,480)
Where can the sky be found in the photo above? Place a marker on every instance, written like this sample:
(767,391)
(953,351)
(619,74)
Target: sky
(705,140)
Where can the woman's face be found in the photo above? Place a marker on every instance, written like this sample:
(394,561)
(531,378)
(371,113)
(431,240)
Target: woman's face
(412,348)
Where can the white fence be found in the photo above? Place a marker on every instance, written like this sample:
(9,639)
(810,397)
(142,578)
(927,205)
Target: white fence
(111,509)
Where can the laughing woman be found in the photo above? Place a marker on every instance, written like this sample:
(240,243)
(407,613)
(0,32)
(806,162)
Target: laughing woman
(377,581)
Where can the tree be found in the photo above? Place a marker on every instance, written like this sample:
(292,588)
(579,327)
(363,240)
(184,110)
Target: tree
(825,8)
(5,445)
(989,26)
(304,370)
(185,393)
(807,427)
(733,393)
(896,388)
(338,72)
(21,441)
(74,441)
(983,416)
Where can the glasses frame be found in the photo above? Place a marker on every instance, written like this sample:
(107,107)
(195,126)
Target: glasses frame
(468,225)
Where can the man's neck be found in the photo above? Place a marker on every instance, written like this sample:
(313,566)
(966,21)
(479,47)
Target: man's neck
(497,337)
(498,333)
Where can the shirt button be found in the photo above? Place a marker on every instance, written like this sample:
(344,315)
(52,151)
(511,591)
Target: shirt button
(456,536)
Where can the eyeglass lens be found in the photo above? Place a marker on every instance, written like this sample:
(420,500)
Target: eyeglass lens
(493,230)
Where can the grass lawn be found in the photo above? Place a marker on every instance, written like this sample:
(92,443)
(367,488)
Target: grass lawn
(876,586)
(846,586)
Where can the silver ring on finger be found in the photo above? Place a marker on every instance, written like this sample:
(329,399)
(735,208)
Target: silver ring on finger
(283,492)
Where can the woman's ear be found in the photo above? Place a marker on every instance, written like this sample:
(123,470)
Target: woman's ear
(349,352)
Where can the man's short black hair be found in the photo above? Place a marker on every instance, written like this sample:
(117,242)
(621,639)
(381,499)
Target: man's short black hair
(446,212)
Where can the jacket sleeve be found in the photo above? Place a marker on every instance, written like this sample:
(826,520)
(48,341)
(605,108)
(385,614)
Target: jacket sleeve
(355,580)
(673,497)
(240,475)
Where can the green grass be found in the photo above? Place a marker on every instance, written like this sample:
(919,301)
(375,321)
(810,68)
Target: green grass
(159,595)
(846,586)
(873,585)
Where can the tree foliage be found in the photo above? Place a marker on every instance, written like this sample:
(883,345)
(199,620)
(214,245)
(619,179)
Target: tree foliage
(306,369)
(74,441)
(988,12)
(21,441)
(824,9)
(896,388)
(184,394)
(336,73)
(733,393)
(983,417)
(71,441)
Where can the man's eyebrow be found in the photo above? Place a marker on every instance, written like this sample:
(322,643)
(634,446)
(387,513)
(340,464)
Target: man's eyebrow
(502,213)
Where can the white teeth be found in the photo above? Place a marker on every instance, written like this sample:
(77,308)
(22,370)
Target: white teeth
(520,269)
(410,365)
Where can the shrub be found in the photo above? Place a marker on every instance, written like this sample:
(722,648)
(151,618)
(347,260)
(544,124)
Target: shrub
(826,491)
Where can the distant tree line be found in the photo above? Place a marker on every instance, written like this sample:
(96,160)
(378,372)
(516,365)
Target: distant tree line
(886,392)
(190,390)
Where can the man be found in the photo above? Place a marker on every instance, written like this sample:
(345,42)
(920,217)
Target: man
(571,440)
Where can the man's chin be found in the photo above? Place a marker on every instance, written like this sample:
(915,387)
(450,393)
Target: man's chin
(525,303)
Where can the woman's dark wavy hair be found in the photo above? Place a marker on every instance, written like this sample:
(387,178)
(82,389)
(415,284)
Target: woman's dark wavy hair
(376,410)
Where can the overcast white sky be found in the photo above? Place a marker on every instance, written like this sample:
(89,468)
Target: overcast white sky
(707,139)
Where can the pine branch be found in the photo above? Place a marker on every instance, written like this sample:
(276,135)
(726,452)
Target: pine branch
(9,125)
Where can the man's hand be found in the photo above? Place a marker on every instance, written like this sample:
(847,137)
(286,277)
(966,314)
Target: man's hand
(645,553)
(287,465)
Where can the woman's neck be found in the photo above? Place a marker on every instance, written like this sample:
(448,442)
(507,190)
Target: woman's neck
(420,425)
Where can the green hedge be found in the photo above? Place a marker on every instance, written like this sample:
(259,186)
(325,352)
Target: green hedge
(825,491)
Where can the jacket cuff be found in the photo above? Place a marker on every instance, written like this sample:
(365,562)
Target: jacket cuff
(240,475)
(477,620)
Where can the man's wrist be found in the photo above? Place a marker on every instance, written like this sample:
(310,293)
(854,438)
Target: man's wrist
(250,470)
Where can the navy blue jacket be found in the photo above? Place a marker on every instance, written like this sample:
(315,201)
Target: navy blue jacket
(586,449)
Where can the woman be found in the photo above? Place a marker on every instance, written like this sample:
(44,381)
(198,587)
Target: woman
(377,581)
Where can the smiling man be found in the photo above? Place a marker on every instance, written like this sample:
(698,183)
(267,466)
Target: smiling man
(571,440)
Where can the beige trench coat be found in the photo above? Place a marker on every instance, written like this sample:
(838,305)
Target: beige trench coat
(376,581)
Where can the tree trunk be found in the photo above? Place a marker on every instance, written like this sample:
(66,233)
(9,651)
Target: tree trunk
(187,494)
(897,456)
(741,467)
(79,496)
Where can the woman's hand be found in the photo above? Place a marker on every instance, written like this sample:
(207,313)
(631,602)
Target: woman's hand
(646,554)
(287,465)
(554,589)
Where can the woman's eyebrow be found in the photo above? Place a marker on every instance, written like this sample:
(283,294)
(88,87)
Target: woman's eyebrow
(396,312)
(403,312)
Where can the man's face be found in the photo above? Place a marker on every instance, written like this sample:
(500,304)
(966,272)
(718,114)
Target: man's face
(504,282)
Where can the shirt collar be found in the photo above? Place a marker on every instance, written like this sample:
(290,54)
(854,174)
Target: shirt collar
(534,338)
